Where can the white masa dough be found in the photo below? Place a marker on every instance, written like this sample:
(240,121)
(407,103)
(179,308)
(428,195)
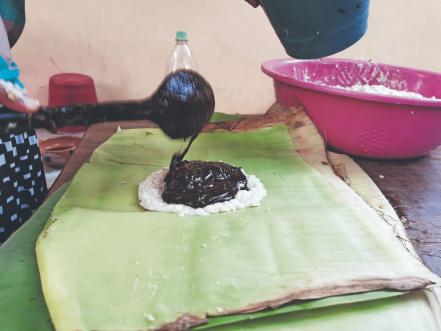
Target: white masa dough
(383,90)
(150,197)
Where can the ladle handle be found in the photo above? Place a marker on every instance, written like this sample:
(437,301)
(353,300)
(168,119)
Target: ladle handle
(52,118)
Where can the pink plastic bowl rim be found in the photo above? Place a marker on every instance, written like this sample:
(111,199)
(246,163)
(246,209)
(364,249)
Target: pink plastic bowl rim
(277,70)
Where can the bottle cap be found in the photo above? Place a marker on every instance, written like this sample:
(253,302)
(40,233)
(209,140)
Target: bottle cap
(181,36)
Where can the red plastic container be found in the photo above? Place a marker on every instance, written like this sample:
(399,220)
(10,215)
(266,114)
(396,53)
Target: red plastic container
(361,123)
(71,88)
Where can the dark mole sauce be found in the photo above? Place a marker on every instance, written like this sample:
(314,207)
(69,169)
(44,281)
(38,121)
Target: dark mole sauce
(198,183)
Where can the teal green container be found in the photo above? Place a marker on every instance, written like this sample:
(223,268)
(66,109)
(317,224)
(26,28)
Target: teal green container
(311,29)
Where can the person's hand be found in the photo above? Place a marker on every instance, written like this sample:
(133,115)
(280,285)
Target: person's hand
(254,3)
(15,98)
(12,93)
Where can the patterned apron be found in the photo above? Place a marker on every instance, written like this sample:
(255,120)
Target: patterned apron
(22,181)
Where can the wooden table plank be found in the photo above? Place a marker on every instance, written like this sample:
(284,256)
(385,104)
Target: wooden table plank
(414,189)
(94,137)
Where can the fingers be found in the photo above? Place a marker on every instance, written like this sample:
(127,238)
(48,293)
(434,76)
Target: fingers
(254,3)
(17,100)
(43,119)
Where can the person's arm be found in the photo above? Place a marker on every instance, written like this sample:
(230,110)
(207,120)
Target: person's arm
(12,92)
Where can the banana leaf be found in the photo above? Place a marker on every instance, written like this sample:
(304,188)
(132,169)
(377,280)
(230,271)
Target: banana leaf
(412,312)
(353,299)
(222,117)
(107,264)
(22,306)
(22,296)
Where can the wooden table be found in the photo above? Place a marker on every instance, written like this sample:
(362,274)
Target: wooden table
(412,186)
(414,189)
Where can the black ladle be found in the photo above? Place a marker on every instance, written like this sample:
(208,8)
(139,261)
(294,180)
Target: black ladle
(181,106)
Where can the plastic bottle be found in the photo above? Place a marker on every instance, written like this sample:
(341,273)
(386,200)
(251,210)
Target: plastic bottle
(181,57)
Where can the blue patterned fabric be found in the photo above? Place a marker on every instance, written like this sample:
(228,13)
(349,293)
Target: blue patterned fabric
(10,72)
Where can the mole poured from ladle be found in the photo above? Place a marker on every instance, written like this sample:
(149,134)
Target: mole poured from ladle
(198,183)
(181,106)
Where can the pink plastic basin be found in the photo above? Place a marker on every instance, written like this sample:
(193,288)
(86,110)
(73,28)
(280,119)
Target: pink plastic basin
(360,123)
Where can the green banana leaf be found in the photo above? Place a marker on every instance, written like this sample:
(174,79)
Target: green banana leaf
(222,117)
(411,312)
(352,299)
(22,306)
(107,264)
